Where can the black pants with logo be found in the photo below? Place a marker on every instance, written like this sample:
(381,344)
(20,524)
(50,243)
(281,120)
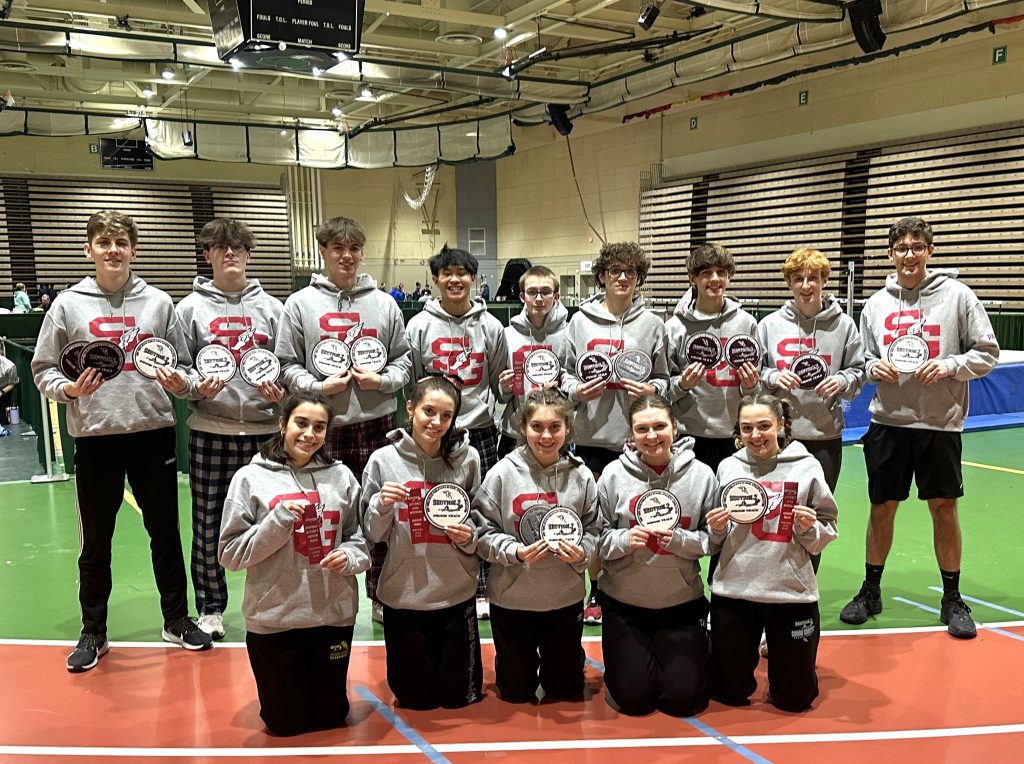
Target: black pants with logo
(532,648)
(792,631)
(101,464)
(301,677)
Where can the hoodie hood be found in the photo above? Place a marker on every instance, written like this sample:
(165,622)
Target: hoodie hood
(687,306)
(435,308)
(790,455)
(133,287)
(524,460)
(929,285)
(682,457)
(286,469)
(364,283)
(594,308)
(205,286)
(830,310)
(554,321)
(406,445)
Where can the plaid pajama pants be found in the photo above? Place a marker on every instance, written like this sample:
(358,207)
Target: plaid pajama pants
(213,461)
(352,444)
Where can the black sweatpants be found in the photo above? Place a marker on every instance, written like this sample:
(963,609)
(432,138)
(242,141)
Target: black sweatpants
(532,648)
(101,463)
(655,659)
(301,677)
(792,630)
(433,656)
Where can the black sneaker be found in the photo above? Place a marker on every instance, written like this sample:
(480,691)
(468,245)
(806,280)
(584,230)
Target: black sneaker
(186,633)
(868,602)
(957,616)
(91,647)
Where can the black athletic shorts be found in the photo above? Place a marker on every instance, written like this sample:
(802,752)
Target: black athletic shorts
(894,455)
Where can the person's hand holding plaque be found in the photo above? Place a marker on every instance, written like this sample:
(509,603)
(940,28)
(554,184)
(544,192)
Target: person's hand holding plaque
(570,554)
(506,380)
(750,375)
(830,387)
(210,386)
(459,533)
(171,379)
(337,383)
(335,561)
(391,493)
(804,518)
(592,390)
(718,519)
(692,375)
(88,382)
(271,391)
(367,380)
(786,380)
(637,389)
(529,553)
(932,371)
(884,371)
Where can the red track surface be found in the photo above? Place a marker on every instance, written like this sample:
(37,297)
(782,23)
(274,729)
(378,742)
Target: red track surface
(155,698)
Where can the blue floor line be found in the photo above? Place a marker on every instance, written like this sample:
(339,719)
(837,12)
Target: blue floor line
(401,726)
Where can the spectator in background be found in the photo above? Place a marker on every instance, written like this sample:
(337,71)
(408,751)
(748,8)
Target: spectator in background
(416,292)
(485,290)
(44,302)
(398,292)
(424,295)
(22,302)
(8,381)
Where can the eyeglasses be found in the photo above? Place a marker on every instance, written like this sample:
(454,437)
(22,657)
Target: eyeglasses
(917,249)
(533,294)
(629,273)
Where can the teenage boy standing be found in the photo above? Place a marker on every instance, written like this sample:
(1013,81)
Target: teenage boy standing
(540,326)
(123,425)
(917,416)
(346,305)
(230,419)
(455,335)
(706,399)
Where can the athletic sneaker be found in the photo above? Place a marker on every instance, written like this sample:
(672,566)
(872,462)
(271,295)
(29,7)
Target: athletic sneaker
(868,602)
(592,613)
(91,647)
(957,616)
(483,609)
(377,612)
(184,632)
(212,624)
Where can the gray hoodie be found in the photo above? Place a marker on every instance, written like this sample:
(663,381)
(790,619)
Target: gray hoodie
(471,347)
(653,577)
(769,560)
(514,485)
(283,590)
(951,318)
(321,311)
(522,338)
(238,322)
(709,409)
(602,422)
(130,402)
(786,334)
(424,569)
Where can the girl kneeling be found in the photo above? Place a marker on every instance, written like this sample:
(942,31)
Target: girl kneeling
(765,579)
(536,584)
(291,520)
(428,583)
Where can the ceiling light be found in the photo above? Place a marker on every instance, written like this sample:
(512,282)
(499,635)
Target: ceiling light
(366,93)
(471,134)
(186,137)
(317,71)
(236,63)
(147,92)
(167,73)
(284,133)
(336,111)
(500,33)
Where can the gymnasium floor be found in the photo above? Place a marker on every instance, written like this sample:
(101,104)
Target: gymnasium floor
(897,689)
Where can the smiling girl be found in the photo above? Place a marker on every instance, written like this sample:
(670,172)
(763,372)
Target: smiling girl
(654,635)
(536,585)
(429,579)
(291,520)
(765,579)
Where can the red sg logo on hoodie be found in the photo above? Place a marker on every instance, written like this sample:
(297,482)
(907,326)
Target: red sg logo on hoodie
(122,332)
(237,334)
(451,357)
(899,323)
(790,347)
(346,327)
(722,375)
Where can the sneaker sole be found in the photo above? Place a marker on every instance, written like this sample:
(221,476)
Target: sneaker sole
(175,640)
(80,669)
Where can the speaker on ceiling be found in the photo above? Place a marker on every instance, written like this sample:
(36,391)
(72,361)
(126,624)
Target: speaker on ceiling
(867,27)
(558,114)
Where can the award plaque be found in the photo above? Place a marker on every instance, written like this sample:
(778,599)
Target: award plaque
(368,354)
(216,361)
(705,348)
(561,524)
(657,510)
(70,359)
(446,504)
(634,365)
(541,366)
(259,365)
(330,357)
(746,500)
(741,349)
(531,524)
(593,365)
(811,368)
(152,354)
(104,356)
(908,353)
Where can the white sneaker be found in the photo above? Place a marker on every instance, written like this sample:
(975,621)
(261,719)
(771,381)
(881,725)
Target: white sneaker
(212,624)
(763,647)
(483,609)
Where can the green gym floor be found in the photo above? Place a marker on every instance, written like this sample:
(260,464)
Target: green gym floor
(39,543)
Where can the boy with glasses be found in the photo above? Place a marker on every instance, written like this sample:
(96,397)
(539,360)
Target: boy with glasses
(230,418)
(612,323)
(123,425)
(926,335)
(540,326)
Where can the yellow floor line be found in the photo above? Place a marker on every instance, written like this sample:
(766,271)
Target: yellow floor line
(979,465)
(131,501)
